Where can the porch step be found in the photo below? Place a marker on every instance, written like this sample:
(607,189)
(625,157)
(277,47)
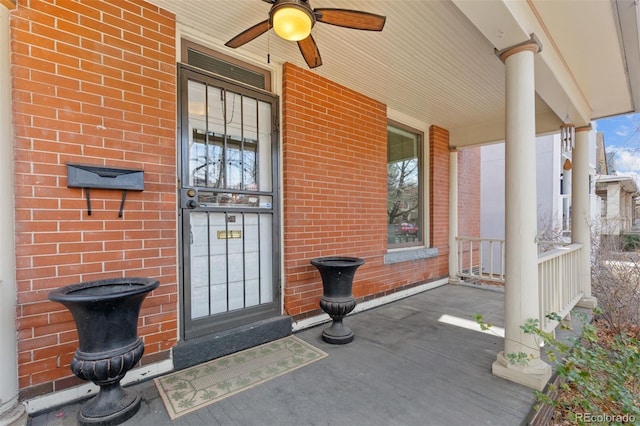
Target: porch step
(196,351)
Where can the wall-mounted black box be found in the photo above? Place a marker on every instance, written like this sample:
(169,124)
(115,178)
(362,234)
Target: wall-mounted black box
(87,176)
(102,177)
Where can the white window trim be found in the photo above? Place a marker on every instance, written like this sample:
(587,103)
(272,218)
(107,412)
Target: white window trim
(422,251)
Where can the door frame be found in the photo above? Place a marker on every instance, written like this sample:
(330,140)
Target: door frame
(189,328)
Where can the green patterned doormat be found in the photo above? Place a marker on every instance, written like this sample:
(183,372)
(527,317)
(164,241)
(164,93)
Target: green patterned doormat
(188,390)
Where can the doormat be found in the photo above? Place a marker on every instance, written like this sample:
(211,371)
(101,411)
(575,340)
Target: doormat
(193,388)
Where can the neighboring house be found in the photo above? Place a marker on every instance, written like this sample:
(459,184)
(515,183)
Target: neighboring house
(618,198)
(254,164)
(549,188)
(553,189)
(604,161)
(617,195)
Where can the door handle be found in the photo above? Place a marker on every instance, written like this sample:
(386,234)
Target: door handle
(192,204)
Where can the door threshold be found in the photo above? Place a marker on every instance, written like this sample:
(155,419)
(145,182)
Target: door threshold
(191,352)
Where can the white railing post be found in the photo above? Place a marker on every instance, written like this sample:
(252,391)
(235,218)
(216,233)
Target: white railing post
(471,257)
(491,259)
(454,252)
(501,257)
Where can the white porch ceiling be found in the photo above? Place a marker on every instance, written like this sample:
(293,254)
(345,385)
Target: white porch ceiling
(434,61)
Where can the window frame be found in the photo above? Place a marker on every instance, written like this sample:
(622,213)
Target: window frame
(422,188)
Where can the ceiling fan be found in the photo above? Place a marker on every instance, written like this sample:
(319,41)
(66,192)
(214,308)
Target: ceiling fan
(293,19)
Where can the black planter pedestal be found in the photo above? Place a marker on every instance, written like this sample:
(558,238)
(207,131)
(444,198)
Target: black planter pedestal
(106,316)
(337,299)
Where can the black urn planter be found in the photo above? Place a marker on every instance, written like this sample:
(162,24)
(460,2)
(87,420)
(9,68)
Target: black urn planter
(337,299)
(106,316)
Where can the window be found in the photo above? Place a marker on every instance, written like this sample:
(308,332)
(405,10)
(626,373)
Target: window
(404,186)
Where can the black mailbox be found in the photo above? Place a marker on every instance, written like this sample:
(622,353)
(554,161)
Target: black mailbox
(85,176)
(103,177)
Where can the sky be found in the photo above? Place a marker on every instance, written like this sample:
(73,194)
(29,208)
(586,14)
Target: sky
(622,137)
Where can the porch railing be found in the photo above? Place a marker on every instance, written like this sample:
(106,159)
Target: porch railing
(558,283)
(474,253)
(558,272)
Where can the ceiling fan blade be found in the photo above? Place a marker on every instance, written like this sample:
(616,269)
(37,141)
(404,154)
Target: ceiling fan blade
(249,34)
(351,19)
(269,1)
(310,52)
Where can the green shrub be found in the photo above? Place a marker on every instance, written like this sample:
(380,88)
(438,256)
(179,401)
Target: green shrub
(600,372)
(629,242)
(601,376)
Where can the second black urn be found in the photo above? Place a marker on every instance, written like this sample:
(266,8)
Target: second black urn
(337,299)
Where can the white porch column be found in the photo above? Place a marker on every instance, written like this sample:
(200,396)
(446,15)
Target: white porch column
(10,410)
(453,217)
(612,221)
(580,212)
(521,297)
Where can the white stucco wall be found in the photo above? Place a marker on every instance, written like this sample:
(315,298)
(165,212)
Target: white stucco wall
(492,191)
(548,170)
(492,185)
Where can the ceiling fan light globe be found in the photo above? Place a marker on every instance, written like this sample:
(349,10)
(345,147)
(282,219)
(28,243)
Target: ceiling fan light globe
(292,23)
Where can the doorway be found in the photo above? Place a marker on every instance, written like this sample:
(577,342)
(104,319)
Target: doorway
(228,206)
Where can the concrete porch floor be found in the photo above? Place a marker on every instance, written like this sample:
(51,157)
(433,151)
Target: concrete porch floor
(405,367)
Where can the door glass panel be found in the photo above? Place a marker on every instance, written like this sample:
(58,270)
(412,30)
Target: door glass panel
(214,170)
(266,257)
(218,263)
(232,152)
(215,112)
(197,133)
(234,238)
(231,260)
(249,143)
(198,262)
(252,259)
(264,146)
(233,123)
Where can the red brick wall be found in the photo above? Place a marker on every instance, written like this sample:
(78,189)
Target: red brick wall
(334,170)
(439,186)
(469,192)
(93,82)
(469,165)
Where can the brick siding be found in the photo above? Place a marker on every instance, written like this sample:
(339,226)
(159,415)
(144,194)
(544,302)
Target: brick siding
(335,173)
(469,167)
(439,186)
(94,83)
